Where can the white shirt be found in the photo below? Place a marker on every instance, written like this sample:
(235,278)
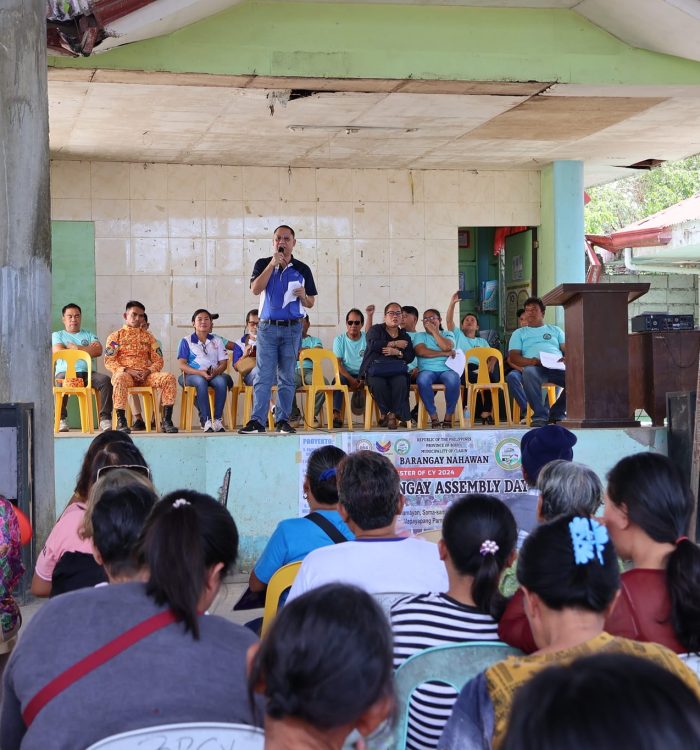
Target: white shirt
(402,564)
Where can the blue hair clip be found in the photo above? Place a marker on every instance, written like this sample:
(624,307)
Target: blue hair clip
(326,474)
(588,538)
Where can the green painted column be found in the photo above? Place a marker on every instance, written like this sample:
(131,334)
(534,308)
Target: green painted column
(560,256)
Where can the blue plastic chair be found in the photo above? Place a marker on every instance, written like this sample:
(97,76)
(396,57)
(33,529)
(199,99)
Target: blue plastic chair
(453,663)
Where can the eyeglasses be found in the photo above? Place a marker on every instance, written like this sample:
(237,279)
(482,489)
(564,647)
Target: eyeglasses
(430,319)
(253,322)
(353,322)
(393,312)
(131,467)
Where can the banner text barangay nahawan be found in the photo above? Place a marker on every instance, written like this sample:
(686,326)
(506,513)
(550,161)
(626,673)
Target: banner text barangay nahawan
(438,467)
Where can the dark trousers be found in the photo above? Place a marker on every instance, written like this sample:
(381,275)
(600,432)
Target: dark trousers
(103,385)
(391,395)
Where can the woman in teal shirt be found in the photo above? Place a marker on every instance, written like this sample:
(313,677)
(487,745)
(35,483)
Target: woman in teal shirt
(432,349)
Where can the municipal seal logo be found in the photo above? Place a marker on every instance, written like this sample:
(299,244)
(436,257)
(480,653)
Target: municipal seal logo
(507,454)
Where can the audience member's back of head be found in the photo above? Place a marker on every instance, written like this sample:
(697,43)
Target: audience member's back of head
(480,533)
(541,445)
(369,489)
(326,660)
(117,522)
(554,564)
(607,702)
(568,488)
(186,535)
(656,498)
(321,471)
(117,454)
(104,439)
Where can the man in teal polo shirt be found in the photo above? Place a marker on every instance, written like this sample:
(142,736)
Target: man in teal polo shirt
(73,336)
(524,350)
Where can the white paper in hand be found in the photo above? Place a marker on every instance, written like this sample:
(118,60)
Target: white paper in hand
(551,361)
(289,294)
(458,362)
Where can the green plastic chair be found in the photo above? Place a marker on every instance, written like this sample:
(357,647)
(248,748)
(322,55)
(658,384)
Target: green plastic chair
(453,663)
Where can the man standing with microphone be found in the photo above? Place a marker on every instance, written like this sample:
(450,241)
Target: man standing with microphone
(285,286)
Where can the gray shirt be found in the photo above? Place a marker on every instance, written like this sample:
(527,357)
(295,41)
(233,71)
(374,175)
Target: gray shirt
(168,677)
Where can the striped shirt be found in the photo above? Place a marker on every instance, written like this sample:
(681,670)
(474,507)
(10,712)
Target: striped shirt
(420,622)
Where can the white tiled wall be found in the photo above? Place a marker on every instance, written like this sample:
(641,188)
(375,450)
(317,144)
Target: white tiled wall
(178,236)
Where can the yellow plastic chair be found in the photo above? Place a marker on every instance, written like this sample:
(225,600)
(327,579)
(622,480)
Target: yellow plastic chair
(423,412)
(318,385)
(483,383)
(279,583)
(238,390)
(551,398)
(187,397)
(148,405)
(84,394)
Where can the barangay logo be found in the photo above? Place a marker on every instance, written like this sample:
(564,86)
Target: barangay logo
(384,447)
(507,454)
(547,336)
(402,446)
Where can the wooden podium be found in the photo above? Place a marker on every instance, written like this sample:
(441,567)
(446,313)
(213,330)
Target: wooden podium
(597,352)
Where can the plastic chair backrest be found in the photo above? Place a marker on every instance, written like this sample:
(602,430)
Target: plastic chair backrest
(191,734)
(483,354)
(318,357)
(71,357)
(279,583)
(453,663)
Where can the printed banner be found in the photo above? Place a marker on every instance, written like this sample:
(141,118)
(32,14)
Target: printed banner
(307,445)
(437,467)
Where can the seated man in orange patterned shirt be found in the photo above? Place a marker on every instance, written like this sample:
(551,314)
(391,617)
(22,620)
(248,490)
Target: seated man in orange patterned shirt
(134,358)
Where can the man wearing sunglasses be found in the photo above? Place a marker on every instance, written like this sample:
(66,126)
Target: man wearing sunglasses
(349,348)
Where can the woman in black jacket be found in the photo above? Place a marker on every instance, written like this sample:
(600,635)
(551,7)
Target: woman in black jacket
(389,350)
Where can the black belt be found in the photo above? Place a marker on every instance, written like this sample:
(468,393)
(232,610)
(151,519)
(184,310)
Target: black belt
(282,322)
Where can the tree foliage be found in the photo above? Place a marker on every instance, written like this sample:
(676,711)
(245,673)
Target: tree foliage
(630,199)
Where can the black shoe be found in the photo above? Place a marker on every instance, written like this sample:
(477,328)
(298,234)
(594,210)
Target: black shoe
(138,425)
(357,403)
(252,427)
(167,426)
(284,427)
(538,423)
(122,424)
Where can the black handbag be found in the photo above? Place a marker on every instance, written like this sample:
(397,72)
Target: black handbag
(387,368)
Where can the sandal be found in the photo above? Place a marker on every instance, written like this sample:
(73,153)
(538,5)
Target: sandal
(435,422)
(447,422)
(391,422)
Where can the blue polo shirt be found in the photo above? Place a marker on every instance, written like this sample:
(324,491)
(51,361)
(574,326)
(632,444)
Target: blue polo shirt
(433,364)
(81,338)
(292,541)
(350,352)
(465,343)
(272,305)
(200,355)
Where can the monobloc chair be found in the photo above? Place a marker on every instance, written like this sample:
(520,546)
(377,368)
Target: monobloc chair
(483,383)
(423,412)
(319,385)
(149,406)
(454,663)
(186,735)
(551,398)
(84,393)
(187,398)
(279,583)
